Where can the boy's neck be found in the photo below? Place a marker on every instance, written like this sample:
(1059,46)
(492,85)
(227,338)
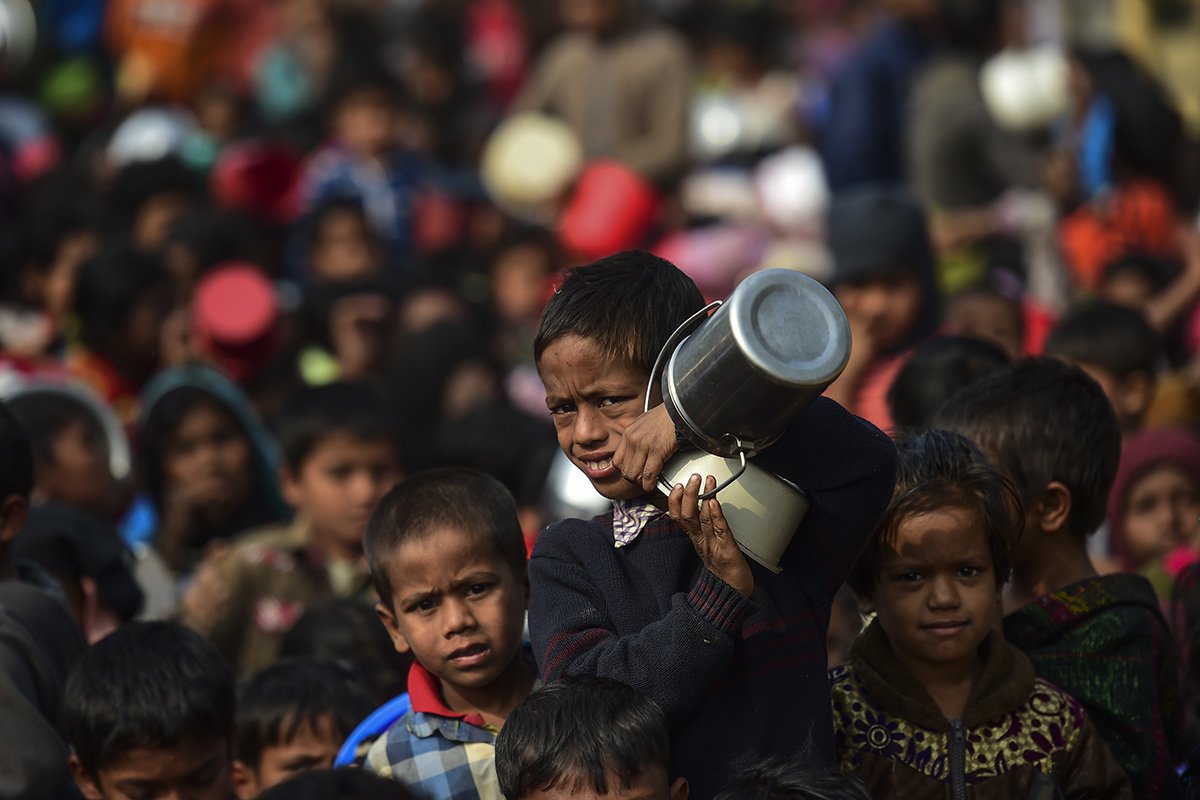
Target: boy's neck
(1062,562)
(494,701)
(334,546)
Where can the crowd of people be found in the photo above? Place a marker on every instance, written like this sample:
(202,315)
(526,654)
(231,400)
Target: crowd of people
(298,297)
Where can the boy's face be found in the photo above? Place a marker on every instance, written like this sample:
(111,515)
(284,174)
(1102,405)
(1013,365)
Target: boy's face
(339,484)
(458,607)
(592,399)
(192,770)
(936,595)
(210,456)
(366,123)
(313,747)
(80,475)
(652,784)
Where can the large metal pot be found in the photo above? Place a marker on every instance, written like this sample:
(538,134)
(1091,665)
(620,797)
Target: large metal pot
(733,385)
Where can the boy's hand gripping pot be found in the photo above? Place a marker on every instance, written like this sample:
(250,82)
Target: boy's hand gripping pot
(733,385)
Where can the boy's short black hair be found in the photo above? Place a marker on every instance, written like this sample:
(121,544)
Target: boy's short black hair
(147,685)
(313,414)
(937,369)
(141,181)
(1113,337)
(629,304)
(16,468)
(793,779)
(453,497)
(937,470)
(1044,420)
(345,783)
(275,703)
(577,732)
(109,286)
(47,414)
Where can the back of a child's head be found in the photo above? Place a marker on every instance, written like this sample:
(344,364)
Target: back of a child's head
(936,370)
(581,734)
(1115,338)
(147,686)
(279,702)
(347,631)
(346,783)
(312,415)
(793,779)
(16,468)
(939,470)
(1043,421)
(456,498)
(47,414)
(629,304)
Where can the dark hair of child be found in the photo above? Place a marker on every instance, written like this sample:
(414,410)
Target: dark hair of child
(1044,420)
(276,703)
(937,369)
(16,468)
(148,685)
(793,779)
(575,733)
(109,286)
(46,415)
(1113,337)
(346,783)
(142,181)
(312,414)
(656,297)
(937,470)
(347,631)
(1155,273)
(453,497)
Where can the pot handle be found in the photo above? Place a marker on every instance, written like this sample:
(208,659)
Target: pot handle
(655,373)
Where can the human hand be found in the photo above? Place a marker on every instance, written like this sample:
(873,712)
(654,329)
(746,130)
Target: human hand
(357,329)
(645,446)
(206,600)
(705,525)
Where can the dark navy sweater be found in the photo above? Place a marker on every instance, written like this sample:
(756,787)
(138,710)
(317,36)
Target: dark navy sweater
(739,678)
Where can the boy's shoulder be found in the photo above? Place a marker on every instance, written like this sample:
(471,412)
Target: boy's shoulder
(1098,612)
(437,756)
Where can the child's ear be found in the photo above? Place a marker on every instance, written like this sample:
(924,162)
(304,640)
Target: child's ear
(13,511)
(680,789)
(245,781)
(388,618)
(1053,507)
(1135,393)
(289,485)
(85,782)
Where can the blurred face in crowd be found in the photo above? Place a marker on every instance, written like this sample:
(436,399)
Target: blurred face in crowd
(366,122)
(936,595)
(459,608)
(652,784)
(989,317)
(191,770)
(1161,514)
(592,399)
(210,456)
(884,309)
(79,474)
(519,280)
(155,218)
(311,747)
(344,249)
(591,16)
(338,486)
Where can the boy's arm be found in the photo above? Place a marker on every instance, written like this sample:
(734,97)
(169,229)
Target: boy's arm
(847,468)
(673,660)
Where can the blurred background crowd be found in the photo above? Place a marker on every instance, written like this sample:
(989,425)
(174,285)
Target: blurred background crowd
(207,205)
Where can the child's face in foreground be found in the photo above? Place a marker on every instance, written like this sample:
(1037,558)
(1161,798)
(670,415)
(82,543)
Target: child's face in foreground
(936,593)
(592,399)
(1160,514)
(313,747)
(652,784)
(192,770)
(339,484)
(458,607)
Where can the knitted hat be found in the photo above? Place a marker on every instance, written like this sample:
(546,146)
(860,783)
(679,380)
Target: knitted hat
(1140,453)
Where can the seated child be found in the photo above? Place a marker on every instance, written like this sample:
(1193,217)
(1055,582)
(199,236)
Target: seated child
(589,737)
(1117,347)
(340,457)
(933,697)
(937,369)
(1049,428)
(1154,505)
(149,712)
(656,594)
(448,561)
(208,463)
(293,717)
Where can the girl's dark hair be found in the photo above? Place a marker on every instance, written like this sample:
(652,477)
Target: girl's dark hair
(346,783)
(939,470)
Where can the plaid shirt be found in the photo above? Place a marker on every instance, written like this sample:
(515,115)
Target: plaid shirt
(438,753)
(630,517)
